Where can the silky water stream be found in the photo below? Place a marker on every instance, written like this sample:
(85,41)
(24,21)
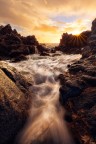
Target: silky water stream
(45,124)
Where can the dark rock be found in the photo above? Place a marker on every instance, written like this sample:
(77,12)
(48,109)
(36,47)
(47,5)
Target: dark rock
(68,117)
(13,44)
(92,39)
(12,39)
(70,91)
(44,54)
(86,52)
(72,43)
(29,40)
(32,49)
(89,80)
(19,58)
(41,49)
(6,30)
(76,68)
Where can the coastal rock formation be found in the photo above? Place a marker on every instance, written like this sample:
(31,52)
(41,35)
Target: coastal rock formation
(14,103)
(73,43)
(78,95)
(13,45)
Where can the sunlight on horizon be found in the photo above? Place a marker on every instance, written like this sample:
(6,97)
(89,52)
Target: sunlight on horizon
(48,19)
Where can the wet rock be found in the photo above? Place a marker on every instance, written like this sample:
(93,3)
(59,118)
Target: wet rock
(45,54)
(76,68)
(14,104)
(19,58)
(42,49)
(32,49)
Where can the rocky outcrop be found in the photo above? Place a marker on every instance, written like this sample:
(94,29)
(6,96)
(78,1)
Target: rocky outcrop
(73,43)
(78,95)
(13,45)
(14,103)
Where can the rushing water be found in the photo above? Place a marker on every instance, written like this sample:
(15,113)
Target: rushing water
(46,123)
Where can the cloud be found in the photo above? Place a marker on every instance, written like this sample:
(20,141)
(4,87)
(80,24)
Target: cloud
(48,18)
(47,28)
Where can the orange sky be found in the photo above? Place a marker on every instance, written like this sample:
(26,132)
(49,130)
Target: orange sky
(48,19)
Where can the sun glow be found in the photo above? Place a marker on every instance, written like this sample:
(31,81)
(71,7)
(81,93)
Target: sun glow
(76,32)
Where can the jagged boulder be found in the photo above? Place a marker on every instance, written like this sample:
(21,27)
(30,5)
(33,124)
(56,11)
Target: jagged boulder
(6,30)
(12,39)
(12,43)
(29,40)
(73,43)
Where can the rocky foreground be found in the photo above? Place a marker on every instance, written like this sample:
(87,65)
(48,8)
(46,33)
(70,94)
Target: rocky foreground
(77,94)
(14,103)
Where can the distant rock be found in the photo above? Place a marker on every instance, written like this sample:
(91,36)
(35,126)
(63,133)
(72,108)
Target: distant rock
(12,43)
(72,43)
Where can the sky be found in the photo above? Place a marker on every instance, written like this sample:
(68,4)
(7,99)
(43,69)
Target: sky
(48,19)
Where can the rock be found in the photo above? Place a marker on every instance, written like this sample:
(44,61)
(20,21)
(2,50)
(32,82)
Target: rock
(89,80)
(32,49)
(19,58)
(14,103)
(76,68)
(44,54)
(12,39)
(6,30)
(42,49)
(70,90)
(12,43)
(29,40)
(86,52)
(72,43)
(78,95)
(92,39)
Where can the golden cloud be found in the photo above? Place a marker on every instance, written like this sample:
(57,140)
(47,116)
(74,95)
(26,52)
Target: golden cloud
(46,28)
(36,16)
